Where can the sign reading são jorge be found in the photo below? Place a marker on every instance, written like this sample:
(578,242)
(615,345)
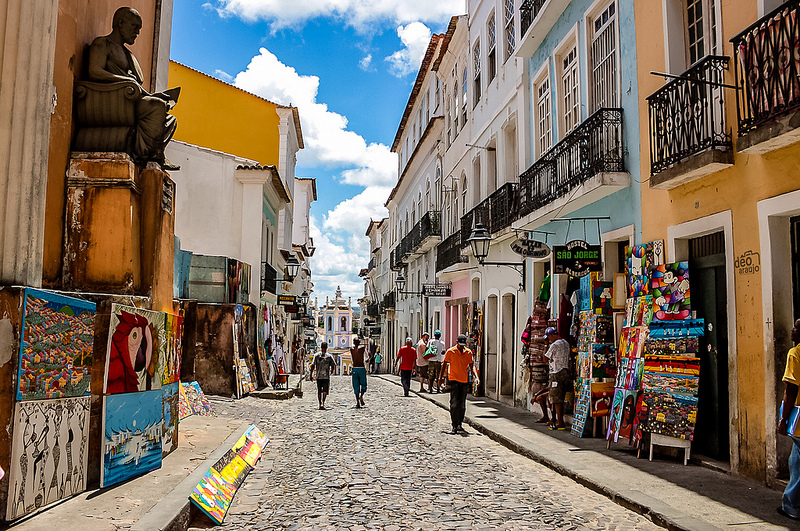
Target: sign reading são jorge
(577,258)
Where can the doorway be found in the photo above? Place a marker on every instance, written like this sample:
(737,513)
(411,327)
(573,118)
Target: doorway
(489,376)
(709,299)
(507,346)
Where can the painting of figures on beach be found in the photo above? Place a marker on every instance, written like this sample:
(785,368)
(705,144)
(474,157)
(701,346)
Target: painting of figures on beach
(55,358)
(136,350)
(131,436)
(48,453)
(169,433)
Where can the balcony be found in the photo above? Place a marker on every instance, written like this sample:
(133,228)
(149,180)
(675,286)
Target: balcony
(389,300)
(687,126)
(395,263)
(766,69)
(373,262)
(269,276)
(373,310)
(496,212)
(479,214)
(449,252)
(587,165)
(537,18)
(423,236)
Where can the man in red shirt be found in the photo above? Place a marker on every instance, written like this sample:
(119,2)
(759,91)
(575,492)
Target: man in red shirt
(406,358)
(458,362)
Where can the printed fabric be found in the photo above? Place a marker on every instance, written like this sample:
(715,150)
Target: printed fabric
(558,356)
(324,364)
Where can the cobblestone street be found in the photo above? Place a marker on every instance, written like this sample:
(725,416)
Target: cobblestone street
(394,466)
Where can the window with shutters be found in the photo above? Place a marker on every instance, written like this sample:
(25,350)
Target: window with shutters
(604,60)
(544,116)
(476,67)
(464,98)
(509,27)
(570,90)
(491,48)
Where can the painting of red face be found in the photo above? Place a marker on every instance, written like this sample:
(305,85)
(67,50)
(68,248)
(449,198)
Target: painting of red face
(135,353)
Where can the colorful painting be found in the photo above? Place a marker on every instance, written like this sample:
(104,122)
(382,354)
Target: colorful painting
(184,407)
(672,415)
(197,399)
(603,297)
(171,371)
(670,289)
(639,311)
(55,358)
(49,453)
(641,261)
(215,492)
(131,435)
(243,379)
(623,413)
(136,350)
(582,405)
(604,362)
(170,396)
(602,395)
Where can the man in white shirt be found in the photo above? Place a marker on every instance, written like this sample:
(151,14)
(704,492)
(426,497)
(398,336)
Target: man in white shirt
(422,363)
(435,363)
(560,379)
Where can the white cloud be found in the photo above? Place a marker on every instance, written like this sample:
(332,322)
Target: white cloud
(358,210)
(334,266)
(223,75)
(366,62)
(415,38)
(357,13)
(328,141)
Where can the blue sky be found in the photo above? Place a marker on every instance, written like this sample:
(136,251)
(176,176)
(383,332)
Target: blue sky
(348,65)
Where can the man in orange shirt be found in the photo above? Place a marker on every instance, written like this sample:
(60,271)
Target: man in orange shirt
(457,364)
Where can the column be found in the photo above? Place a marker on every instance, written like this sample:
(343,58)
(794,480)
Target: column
(27,51)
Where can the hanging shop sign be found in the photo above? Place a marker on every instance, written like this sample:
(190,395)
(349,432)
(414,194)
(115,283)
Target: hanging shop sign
(287,300)
(375,331)
(530,248)
(576,258)
(436,290)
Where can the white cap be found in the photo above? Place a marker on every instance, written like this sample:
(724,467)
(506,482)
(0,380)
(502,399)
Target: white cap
(409,340)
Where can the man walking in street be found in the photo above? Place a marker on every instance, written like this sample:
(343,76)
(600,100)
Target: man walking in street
(458,362)
(322,366)
(790,504)
(359,373)
(406,357)
(435,363)
(422,363)
(558,360)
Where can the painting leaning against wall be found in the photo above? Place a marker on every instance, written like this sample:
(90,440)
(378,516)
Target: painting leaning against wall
(49,453)
(169,432)
(136,352)
(55,357)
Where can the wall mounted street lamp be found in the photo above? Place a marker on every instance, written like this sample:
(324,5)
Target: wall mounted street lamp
(400,284)
(292,268)
(303,299)
(479,240)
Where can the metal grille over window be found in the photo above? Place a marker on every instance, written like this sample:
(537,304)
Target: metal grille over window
(509,19)
(570,79)
(604,60)
(476,62)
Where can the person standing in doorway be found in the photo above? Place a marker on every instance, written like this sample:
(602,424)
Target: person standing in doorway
(458,362)
(359,372)
(422,363)
(406,357)
(435,345)
(790,504)
(558,360)
(322,366)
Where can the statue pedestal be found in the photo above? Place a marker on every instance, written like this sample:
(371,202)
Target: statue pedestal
(119,230)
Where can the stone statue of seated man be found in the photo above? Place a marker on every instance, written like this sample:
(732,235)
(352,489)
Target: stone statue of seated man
(110,61)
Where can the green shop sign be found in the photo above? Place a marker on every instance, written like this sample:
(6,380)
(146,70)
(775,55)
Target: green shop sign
(577,258)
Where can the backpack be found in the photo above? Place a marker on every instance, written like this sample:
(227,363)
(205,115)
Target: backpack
(431,351)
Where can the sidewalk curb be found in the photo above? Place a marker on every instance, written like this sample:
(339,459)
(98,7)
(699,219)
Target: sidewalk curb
(172,513)
(655,510)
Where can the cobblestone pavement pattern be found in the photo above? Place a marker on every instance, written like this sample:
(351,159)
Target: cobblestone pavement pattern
(393,466)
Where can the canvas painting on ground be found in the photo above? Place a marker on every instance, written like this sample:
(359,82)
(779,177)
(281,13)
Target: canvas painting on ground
(136,350)
(197,399)
(48,453)
(184,407)
(131,436)
(55,358)
(169,432)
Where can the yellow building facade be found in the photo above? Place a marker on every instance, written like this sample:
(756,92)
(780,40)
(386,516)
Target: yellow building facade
(723,155)
(219,116)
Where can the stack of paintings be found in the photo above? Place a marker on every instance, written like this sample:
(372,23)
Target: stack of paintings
(50,432)
(196,400)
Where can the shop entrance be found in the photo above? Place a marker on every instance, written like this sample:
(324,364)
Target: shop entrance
(709,300)
(507,346)
(490,375)
(794,224)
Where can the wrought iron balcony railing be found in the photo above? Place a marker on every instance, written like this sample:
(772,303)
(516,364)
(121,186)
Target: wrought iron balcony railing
(687,115)
(527,14)
(374,310)
(373,262)
(594,147)
(430,226)
(767,67)
(395,262)
(269,275)
(449,251)
(503,207)
(389,300)
(479,214)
